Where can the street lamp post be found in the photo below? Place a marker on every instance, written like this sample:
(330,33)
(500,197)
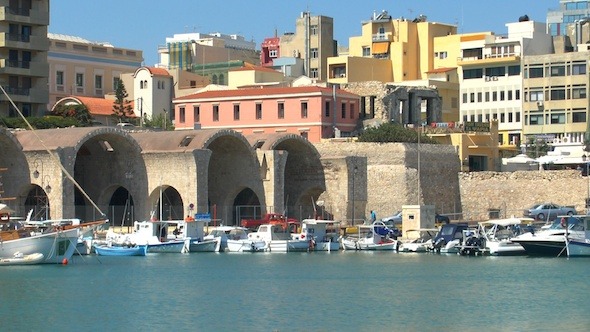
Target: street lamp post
(587,166)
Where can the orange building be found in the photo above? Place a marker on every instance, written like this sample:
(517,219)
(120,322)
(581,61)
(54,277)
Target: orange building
(310,111)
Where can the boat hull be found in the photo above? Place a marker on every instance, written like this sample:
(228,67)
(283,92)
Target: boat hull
(326,246)
(348,244)
(245,246)
(121,251)
(288,245)
(168,247)
(551,248)
(578,248)
(55,246)
(205,245)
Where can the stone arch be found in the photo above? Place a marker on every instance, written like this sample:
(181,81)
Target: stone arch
(247,205)
(166,204)
(232,167)
(37,200)
(14,172)
(121,206)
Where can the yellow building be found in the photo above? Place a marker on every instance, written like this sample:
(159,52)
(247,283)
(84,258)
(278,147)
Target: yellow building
(389,50)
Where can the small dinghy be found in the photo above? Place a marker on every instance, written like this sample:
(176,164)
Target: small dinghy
(21,259)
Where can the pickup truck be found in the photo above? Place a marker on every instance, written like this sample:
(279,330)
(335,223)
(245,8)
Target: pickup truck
(268,218)
(548,211)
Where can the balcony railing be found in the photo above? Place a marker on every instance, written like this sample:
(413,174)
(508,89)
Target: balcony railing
(381,37)
(19,64)
(17,91)
(19,11)
(19,37)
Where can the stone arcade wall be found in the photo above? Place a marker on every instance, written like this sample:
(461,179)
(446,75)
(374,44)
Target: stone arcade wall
(512,192)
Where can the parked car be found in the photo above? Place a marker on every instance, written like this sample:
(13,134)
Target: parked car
(392,220)
(548,211)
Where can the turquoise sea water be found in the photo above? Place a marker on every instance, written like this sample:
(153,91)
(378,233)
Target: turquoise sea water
(339,291)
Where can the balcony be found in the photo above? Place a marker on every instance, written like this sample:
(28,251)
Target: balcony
(381,37)
(488,59)
(24,68)
(24,15)
(24,42)
(26,95)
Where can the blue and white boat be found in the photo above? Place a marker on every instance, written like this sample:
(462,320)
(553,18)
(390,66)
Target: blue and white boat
(579,246)
(110,250)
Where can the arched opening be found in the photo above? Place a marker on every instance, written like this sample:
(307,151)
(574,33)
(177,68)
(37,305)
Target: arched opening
(246,206)
(121,210)
(167,204)
(38,202)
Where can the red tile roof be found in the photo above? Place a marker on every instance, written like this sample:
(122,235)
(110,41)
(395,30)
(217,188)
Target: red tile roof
(96,106)
(158,71)
(264,92)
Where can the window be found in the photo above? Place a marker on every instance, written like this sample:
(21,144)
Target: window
(516,94)
(479,95)
(327,109)
(517,116)
(314,53)
(258,111)
(535,72)
(464,98)
(313,29)
(578,69)
(442,55)
(116,81)
(236,112)
(557,94)
(472,97)
(273,53)
(352,110)
(313,73)
(343,109)
(537,96)
(181,115)
(557,70)
(495,96)
(487,95)
(578,93)
(79,79)
(215,112)
(98,81)
(509,94)
(366,51)
(502,95)
(579,117)
(513,70)
(472,73)
(557,118)
(510,117)
(304,110)
(496,71)
(281,110)
(536,120)
(59,77)
(502,118)
(197,113)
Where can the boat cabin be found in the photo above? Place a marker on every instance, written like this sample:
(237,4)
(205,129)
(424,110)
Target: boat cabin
(318,230)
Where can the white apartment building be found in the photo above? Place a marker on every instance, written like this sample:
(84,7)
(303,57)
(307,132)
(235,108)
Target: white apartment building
(491,80)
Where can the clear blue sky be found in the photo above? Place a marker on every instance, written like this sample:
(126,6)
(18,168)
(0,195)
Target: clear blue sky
(143,25)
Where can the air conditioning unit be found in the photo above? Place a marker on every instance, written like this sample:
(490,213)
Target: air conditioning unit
(494,78)
(487,78)
(540,103)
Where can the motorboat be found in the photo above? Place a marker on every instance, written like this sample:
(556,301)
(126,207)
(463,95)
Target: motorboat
(419,240)
(322,235)
(114,250)
(448,239)
(550,240)
(498,235)
(579,247)
(154,234)
(192,230)
(376,236)
(278,238)
(235,239)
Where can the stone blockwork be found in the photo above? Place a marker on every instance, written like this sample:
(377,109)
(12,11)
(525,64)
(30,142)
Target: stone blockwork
(390,178)
(512,192)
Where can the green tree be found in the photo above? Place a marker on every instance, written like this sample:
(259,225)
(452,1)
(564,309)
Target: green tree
(392,132)
(122,109)
(159,121)
(536,147)
(78,112)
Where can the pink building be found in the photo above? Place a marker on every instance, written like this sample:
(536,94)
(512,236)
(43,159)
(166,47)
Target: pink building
(310,111)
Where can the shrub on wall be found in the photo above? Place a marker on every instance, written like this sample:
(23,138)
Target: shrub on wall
(391,132)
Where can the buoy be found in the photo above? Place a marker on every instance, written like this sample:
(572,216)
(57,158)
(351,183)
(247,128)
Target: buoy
(64,261)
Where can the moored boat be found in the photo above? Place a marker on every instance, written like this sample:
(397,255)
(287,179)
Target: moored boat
(278,238)
(110,250)
(322,235)
(21,259)
(550,240)
(580,246)
(235,239)
(372,237)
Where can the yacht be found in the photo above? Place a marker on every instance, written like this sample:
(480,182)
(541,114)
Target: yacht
(550,240)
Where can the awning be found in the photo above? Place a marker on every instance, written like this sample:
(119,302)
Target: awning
(380,48)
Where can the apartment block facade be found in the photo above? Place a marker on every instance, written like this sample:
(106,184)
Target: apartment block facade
(23,66)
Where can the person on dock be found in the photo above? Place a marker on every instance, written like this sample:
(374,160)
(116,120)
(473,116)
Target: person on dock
(373,216)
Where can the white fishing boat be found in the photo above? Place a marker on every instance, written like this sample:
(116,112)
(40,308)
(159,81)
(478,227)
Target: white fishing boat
(322,235)
(372,237)
(278,238)
(235,239)
(154,234)
(56,243)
